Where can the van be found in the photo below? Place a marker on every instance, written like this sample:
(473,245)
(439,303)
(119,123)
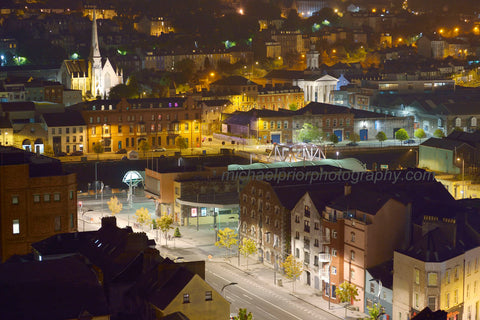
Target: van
(132,155)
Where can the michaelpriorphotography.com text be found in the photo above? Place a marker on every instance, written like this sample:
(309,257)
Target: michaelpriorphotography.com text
(317,176)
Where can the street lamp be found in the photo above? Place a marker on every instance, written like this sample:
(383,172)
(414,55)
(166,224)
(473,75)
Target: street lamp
(416,157)
(463,177)
(83,219)
(228,284)
(337,154)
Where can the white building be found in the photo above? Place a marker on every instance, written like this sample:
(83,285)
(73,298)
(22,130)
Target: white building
(317,88)
(66,131)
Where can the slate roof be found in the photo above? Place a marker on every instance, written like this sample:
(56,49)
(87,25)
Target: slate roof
(77,66)
(434,246)
(39,165)
(56,289)
(17,106)
(447,144)
(169,284)
(244,118)
(356,200)
(285,74)
(384,273)
(216,102)
(5,123)
(68,118)
(322,108)
(233,81)
(176,316)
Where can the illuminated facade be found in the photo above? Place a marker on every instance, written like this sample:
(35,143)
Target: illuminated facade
(38,200)
(124,124)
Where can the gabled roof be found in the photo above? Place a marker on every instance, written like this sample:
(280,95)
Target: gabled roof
(447,144)
(170,284)
(55,289)
(469,137)
(76,66)
(216,102)
(17,106)
(356,200)
(64,119)
(322,108)
(244,118)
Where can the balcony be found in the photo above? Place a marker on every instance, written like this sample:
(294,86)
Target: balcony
(324,257)
(306,228)
(324,239)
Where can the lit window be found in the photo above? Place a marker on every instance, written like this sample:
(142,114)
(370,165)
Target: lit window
(58,223)
(70,196)
(46,197)
(417,276)
(432,278)
(56,196)
(352,236)
(36,198)
(14,199)
(186,298)
(208,296)
(16,226)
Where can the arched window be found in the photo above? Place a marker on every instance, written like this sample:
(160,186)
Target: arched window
(458,122)
(473,122)
(252,230)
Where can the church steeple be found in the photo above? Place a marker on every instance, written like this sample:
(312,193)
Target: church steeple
(94,49)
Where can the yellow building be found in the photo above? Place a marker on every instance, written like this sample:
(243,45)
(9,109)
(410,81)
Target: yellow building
(186,292)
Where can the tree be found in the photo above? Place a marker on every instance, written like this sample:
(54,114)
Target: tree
(420,134)
(458,129)
(293,269)
(144,146)
(227,238)
(354,137)
(293,106)
(381,136)
(374,312)
(181,143)
(439,133)
(401,134)
(309,133)
(177,233)
(347,292)
(243,315)
(114,205)
(247,248)
(165,223)
(143,217)
(333,138)
(98,148)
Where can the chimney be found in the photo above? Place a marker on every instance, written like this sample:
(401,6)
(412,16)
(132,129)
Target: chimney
(347,189)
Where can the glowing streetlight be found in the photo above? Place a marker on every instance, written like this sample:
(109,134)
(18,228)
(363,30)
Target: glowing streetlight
(463,177)
(240,11)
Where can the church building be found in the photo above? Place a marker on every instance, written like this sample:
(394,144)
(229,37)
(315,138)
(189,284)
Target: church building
(95,76)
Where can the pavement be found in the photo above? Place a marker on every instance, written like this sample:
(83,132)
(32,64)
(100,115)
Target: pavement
(200,245)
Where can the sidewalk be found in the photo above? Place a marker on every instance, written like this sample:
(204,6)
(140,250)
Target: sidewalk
(203,243)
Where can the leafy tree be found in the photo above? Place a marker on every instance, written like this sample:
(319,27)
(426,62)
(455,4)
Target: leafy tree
(401,134)
(165,223)
(293,269)
(420,134)
(48,150)
(309,133)
(177,233)
(333,138)
(381,136)
(143,217)
(293,106)
(374,312)
(98,148)
(458,129)
(121,91)
(227,238)
(181,142)
(247,248)
(347,292)
(243,315)
(114,205)
(354,137)
(144,146)
(439,133)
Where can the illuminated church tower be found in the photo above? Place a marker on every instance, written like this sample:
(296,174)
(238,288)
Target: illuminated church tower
(95,62)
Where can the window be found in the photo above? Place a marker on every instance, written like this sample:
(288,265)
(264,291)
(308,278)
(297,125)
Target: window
(265,125)
(279,124)
(307,211)
(458,122)
(94,129)
(456,273)
(59,130)
(334,234)
(36,198)
(67,130)
(316,243)
(285,124)
(16,226)
(14,199)
(58,223)
(315,260)
(432,279)
(372,287)
(352,274)
(297,235)
(473,122)
(317,225)
(297,219)
(53,130)
(455,296)
(208,296)
(267,237)
(297,253)
(447,300)
(70,195)
(272,124)
(352,255)
(416,276)
(46,197)
(416,300)
(352,236)
(306,256)
(432,303)
(186,298)
(334,270)
(334,252)
(56,196)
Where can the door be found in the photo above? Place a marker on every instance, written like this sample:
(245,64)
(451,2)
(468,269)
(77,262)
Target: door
(309,280)
(363,134)
(339,134)
(275,138)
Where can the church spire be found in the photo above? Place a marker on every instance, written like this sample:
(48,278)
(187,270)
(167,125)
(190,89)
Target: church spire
(94,49)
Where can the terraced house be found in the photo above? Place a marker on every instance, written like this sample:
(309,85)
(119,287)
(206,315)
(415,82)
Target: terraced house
(124,124)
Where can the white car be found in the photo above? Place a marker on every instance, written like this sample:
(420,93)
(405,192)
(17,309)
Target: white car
(159,150)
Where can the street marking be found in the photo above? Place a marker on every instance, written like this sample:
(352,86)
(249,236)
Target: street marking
(248,297)
(289,313)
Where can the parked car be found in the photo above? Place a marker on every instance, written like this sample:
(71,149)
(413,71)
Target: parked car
(60,154)
(409,141)
(132,155)
(77,153)
(121,151)
(352,144)
(159,150)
